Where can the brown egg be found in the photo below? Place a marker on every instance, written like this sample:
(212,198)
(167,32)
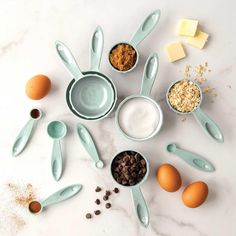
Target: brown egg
(169,178)
(195,194)
(38,87)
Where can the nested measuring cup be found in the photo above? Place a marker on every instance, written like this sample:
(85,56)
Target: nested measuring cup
(140,205)
(144,30)
(210,127)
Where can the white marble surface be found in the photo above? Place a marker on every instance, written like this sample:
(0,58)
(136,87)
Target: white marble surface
(28,31)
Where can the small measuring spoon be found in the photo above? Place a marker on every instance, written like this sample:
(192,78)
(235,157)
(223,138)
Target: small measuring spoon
(56,130)
(36,207)
(25,134)
(89,145)
(192,159)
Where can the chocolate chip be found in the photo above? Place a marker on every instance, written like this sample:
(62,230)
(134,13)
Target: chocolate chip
(98,189)
(105,198)
(108,193)
(88,216)
(97,201)
(97,212)
(108,205)
(116,190)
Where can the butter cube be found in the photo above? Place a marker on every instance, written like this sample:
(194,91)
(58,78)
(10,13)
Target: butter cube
(187,27)
(198,40)
(175,51)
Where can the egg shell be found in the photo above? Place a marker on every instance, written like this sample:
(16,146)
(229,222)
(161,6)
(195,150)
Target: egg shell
(169,178)
(38,87)
(195,194)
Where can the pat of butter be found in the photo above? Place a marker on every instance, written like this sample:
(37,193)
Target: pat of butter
(175,51)
(187,27)
(199,40)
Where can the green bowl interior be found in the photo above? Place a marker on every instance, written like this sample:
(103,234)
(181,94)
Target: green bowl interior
(56,129)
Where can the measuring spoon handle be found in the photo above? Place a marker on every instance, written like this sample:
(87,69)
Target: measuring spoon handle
(56,163)
(140,206)
(23,138)
(149,74)
(62,195)
(195,160)
(211,128)
(68,60)
(87,142)
(146,28)
(96,49)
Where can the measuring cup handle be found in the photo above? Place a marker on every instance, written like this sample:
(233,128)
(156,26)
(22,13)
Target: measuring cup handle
(62,195)
(68,60)
(87,142)
(56,163)
(209,125)
(140,206)
(146,28)
(195,160)
(149,74)
(23,138)
(96,49)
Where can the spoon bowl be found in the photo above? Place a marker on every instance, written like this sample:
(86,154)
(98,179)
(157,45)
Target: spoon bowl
(57,129)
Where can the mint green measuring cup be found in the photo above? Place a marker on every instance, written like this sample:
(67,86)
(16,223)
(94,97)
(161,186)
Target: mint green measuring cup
(149,76)
(210,127)
(24,136)
(140,205)
(56,130)
(144,30)
(59,196)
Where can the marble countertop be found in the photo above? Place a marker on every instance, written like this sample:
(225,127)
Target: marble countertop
(28,32)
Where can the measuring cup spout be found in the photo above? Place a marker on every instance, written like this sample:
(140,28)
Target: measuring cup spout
(140,206)
(149,74)
(211,128)
(68,60)
(146,28)
(96,49)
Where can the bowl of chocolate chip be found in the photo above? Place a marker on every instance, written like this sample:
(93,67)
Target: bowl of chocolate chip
(130,169)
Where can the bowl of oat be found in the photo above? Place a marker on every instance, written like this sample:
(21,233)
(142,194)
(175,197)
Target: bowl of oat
(185,97)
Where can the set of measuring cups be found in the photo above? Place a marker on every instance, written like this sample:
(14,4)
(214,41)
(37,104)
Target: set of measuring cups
(92,96)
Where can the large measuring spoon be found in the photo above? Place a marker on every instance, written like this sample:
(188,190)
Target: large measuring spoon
(144,30)
(56,130)
(36,207)
(192,159)
(89,145)
(25,134)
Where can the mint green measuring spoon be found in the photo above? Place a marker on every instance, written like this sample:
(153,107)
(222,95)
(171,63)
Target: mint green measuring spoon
(210,127)
(25,134)
(89,145)
(144,30)
(192,159)
(140,205)
(59,196)
(56,130)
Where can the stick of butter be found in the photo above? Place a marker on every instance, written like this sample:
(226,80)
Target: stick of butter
(187,27)
(175,51)
(199,40)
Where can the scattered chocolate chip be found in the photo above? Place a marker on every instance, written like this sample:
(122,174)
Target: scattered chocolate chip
(129,168)
(108,193)
(97,201)
(88,216)
(108,205)
(105,198)
(116,190)
(97,212)
(98,189)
